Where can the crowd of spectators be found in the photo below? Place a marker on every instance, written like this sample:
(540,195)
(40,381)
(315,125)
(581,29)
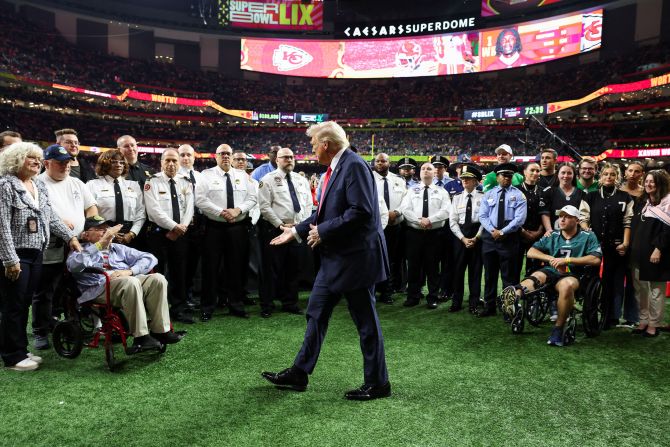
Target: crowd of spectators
(30,50)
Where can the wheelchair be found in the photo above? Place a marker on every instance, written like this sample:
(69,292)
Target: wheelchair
(590,307)
(86,323)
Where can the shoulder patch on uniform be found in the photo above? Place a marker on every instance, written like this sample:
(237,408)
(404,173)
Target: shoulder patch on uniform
(260,184)
(147,186)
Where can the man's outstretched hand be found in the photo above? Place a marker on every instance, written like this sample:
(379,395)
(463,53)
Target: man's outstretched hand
(284,238)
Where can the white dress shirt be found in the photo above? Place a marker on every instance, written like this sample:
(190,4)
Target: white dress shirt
(102,189)
(158,200)
(459,204)
(439,205)
(274,198)
(210,193)
(397,190)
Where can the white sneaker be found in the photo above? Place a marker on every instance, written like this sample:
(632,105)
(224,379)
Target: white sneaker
(25,365)
(35,358)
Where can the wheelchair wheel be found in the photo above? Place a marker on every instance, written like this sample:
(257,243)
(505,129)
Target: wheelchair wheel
(109,355)
(537,307)
(570,330)
(67,339)
(594,308)
(518,323)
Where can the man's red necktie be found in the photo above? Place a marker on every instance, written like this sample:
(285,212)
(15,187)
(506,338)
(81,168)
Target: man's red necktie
(326,178)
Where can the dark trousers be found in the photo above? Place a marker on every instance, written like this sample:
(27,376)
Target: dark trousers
(194,241)
(15,299)
(421,247)
(227,243)
(470,259)
(265,285)
(50,278)
(500,259)
(361,305)
(445,258)
(392,237)
(172,257)
(631,309)
(284,268)
(614,274)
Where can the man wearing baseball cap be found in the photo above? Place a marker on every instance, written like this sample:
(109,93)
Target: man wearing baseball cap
(72,202)
(132,287)
(567,252)
(504,154)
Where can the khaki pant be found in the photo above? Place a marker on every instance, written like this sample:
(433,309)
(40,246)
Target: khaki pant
(135,293)
(650,297)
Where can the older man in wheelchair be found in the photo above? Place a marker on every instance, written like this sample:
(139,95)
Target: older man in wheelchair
(567,254)
(132,287)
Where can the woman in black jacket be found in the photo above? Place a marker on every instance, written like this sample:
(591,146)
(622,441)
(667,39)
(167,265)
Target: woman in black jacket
(650,251)
(608,213)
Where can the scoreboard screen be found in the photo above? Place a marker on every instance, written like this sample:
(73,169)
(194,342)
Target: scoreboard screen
(512,46)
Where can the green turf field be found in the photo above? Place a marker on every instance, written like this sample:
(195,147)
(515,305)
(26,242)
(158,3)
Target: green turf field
(457,381)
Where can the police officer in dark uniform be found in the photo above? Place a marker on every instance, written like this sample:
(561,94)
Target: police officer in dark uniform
(502,212)
(406,170)
(446,239)
(137,170)
(465,226)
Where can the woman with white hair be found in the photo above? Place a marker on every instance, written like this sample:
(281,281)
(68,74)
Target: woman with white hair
(26,222)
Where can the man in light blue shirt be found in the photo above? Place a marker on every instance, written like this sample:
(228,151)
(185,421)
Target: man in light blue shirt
(268,167)
(502,213)
(132,286)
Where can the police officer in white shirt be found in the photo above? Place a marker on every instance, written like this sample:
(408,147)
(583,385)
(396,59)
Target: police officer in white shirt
(195,234)
(426,209)
(391,189)
(168,197)
(467,254)
(119,200)
(285,199)
(225,196)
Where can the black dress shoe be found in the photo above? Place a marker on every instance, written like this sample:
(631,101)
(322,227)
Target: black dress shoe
(486,312)
(431,305)
(205,316)
(655,334)
(453,309)
(295,310)
(143,343)
(410,303)
(266,313)
(239,313)
(386,299)
(167,338)
(291,378)
(369,392)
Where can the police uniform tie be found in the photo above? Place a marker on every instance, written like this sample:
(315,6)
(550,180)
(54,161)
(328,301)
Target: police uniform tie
(501,210)
(439,183)
(118,202)
(387,198)
(468,211)
(175,201)
(230,201)
(291,190)
(424,212)
(192,177)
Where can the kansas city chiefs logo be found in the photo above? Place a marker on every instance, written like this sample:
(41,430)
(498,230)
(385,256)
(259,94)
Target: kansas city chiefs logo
(287,58)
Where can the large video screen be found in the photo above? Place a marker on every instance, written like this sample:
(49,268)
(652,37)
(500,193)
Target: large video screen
(512,7)
(443,54)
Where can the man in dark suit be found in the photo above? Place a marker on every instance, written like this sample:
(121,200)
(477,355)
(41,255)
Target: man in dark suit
(347,236)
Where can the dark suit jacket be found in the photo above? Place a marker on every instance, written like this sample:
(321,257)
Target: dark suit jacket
(352,252)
